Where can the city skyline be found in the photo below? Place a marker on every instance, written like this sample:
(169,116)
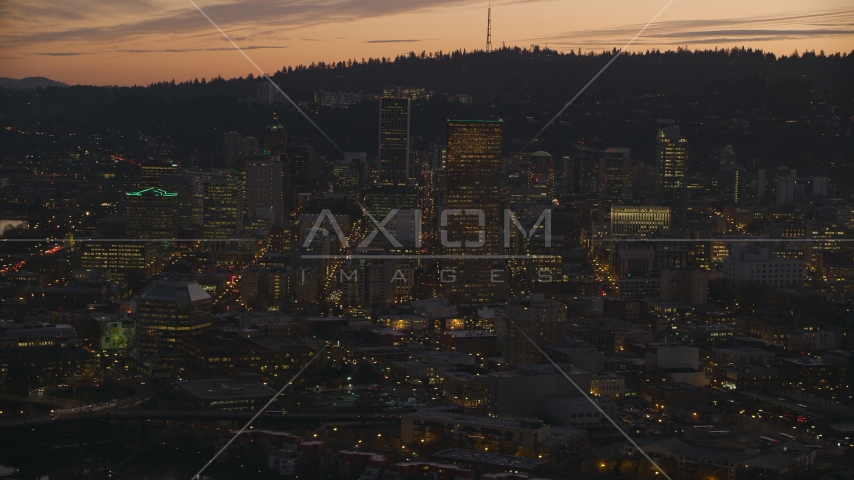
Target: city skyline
(143,42)
(488,262)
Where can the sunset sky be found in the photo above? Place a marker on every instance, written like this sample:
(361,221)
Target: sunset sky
(125,42)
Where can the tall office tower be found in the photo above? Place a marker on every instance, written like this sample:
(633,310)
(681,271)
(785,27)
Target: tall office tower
(303,171)
(671,153)
(348,174)
(223,207)
(169,310)
(279,239)
(151,213)
(522,162)
(191,195)
(229,147)
(579,175)
(727,157)
(275,138)
(439,154)
(542,173)
(394,141)
(766,181)
(266,93)
(150,172)
(639,222)
(382,199)
(262,186)
(733,181)
(235,146)
(473,184)
(616,174)
(542,320)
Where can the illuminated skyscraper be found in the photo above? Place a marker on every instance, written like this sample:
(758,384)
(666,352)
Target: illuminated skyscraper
(275,138)
(190,189)
(235,145)
(302,169)
(151,213)
(542,173)
(223,206)
(727,157)
(262,185)
(473,184)
(615,179)
(151,171)
(579,174)
(394,141)
(671,153)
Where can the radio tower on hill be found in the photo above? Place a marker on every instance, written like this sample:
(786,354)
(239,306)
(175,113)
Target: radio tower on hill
(489,28)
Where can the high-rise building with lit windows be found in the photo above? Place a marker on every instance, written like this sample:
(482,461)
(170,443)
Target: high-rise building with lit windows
(578,175)
(262,186)
(542,173)
(151,213)
(223,206)
(394,141)
(473,184)
(615,179)
(671,155)
(275,139)
(151,171)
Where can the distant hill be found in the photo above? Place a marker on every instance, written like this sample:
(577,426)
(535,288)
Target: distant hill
(29,83)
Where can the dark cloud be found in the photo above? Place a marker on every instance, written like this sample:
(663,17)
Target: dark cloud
(718,31)
(393,41)
(62,54)
(183,19)
(168,50)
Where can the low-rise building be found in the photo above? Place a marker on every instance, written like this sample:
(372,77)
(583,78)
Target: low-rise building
(227,395)
(466,390)
(664,395)
(608,385)
(669,355)
(573,411)
(39,334)
(479,342)
(741,357)
(809,372)
(753,264)
(702,334)
(490,434)
(217,353)
(487,462)
(577,353)
(749,377)
(520,393)
(813,340)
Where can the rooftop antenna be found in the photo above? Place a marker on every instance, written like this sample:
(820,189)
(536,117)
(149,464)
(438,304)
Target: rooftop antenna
(489,28)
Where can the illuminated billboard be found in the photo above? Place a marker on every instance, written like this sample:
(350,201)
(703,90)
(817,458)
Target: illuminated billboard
(118,335)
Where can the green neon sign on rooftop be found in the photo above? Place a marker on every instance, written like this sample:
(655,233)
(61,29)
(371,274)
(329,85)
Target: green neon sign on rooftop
(157,192)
